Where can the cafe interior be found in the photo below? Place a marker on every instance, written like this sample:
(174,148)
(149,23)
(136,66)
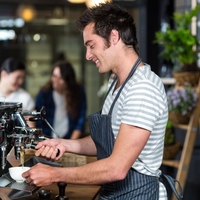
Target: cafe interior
(40,32)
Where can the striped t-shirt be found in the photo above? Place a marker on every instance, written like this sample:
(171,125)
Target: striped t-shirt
(142,103)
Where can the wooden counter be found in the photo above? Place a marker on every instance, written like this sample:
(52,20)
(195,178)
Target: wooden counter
(73,192)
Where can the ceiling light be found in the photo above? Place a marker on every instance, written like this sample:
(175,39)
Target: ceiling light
(90,3)
(36,37)
(26,12)
(77,1)
(7,34)
(57,21)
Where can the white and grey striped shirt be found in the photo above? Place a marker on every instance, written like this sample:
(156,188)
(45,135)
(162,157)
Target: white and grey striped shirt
(142,103)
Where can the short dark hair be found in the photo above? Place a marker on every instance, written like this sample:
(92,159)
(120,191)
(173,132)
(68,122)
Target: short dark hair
(109,16)
(12,64)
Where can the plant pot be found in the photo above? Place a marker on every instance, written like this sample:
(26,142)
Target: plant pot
(177,118)
(186,77)
(171,150)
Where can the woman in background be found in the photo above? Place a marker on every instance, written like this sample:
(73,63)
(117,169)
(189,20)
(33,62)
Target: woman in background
(12,74)
(65,103)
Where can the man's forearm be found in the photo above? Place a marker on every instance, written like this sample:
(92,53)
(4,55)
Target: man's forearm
(83,146)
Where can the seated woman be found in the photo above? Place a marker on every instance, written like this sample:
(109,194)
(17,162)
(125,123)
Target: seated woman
(64,100)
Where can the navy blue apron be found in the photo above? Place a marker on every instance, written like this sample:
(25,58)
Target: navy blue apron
(135,186)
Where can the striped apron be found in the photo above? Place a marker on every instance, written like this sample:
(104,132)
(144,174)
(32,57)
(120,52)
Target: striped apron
(135,186)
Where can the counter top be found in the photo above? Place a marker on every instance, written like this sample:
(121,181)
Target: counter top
(73,192)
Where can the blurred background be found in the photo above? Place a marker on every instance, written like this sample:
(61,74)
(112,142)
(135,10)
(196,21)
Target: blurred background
(39,32)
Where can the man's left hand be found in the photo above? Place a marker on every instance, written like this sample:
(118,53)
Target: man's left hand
(40,175)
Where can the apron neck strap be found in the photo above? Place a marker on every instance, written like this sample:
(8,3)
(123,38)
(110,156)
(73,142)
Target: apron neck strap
(129,76)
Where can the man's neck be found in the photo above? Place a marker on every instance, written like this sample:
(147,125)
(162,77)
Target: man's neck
(123,72)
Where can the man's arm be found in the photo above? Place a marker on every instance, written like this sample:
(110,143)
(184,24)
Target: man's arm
(129,143)
(49,148)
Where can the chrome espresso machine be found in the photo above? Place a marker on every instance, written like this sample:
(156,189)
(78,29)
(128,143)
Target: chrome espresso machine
(15,133)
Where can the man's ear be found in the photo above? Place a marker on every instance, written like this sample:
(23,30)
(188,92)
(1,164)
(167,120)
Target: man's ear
(114,37)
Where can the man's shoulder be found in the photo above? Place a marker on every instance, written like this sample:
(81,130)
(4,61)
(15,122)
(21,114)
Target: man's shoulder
(145,74)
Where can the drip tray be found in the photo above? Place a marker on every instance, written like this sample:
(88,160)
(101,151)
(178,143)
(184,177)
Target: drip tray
(13,190)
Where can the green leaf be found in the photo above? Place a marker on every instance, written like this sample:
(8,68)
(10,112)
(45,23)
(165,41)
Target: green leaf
(179,43)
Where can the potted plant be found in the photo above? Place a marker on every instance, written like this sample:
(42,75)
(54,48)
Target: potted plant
(169,135)
(179,44)
(181,103)
(171,147)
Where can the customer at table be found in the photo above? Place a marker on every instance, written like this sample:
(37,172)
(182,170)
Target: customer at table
(127,135)
(12,75)
(64,100)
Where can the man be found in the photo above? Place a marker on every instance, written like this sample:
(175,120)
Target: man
(127,135)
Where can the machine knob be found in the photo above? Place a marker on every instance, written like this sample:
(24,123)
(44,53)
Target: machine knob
(33,119)
(43,112)
(10,127)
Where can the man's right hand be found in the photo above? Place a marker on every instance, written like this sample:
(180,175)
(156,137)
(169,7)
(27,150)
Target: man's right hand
(52,149)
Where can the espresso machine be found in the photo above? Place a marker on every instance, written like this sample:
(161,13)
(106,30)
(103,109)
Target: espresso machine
(15,133)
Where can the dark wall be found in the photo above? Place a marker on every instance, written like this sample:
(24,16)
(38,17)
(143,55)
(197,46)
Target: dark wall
(12,49)
(157,12)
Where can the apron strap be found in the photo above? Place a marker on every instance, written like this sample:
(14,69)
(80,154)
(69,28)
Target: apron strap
(171,181)
(109,90)
(129,76)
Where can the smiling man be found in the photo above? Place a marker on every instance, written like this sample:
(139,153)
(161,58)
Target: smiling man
(127,135)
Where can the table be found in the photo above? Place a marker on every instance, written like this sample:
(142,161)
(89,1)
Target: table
(73,192)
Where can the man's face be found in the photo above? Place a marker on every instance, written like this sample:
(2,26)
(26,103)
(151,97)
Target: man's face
(14,80)
(96,50)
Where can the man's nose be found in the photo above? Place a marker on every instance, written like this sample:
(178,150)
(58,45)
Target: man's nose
(88,55)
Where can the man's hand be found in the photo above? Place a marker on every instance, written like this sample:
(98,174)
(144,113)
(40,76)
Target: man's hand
(51,149)
(40,175)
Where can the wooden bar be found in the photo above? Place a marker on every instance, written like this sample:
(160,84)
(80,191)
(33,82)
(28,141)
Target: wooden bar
(73,192)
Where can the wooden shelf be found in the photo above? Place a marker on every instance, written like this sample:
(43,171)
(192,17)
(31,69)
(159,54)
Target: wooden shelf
(168,81)
(181,126)
(183,164)
(171,163)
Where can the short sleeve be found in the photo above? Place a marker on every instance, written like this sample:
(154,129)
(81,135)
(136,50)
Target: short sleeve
(143,105)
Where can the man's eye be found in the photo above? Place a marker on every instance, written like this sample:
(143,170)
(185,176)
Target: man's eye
(92,47)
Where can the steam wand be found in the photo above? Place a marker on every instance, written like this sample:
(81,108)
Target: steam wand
(51,128)
(42,114)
